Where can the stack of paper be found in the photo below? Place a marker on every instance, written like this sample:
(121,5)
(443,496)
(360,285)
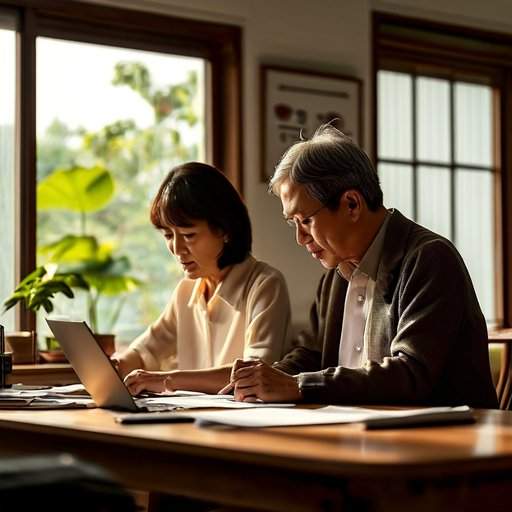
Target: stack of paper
(44,397)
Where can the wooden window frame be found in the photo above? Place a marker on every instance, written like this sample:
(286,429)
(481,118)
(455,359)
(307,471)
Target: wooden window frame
(420,47)
(219,44)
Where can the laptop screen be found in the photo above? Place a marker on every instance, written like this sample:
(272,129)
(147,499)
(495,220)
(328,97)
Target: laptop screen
(91,364)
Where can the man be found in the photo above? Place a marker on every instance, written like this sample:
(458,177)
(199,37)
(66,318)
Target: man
(395,320)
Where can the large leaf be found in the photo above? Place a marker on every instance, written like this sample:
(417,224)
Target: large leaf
(78,189)
(105,273)
(110,277)
(112,284)
(70,249)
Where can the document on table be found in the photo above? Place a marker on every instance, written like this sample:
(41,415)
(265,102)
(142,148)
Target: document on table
(75,395)
(200,400)
(58,397)
(373,418)
(45,403)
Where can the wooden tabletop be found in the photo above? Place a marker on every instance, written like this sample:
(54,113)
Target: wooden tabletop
(293,468)
(332,449)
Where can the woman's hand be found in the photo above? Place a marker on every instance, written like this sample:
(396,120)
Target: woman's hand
(125,362)
(142,380)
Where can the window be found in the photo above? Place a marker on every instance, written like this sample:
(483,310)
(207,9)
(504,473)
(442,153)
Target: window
(134,114)
(435,163)
(126,95)
(442,96)
(7,159)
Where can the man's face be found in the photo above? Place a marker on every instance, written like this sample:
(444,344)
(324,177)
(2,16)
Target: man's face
(328,235)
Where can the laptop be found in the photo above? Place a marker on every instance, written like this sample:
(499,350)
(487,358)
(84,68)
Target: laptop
(95,369)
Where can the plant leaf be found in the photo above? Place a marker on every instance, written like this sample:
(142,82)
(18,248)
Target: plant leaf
(78,189)
(70,248)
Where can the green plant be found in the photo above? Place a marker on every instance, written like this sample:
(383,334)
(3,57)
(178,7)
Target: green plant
(83,191)
(39,287)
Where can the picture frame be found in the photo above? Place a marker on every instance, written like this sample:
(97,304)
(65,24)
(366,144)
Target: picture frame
(295,102)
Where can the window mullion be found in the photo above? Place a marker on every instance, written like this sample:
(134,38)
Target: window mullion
(453,231)
(414,149)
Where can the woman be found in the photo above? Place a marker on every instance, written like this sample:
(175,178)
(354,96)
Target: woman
(227,306)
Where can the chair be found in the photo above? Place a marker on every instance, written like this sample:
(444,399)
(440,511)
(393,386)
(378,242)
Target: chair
(504,381)
(59,483)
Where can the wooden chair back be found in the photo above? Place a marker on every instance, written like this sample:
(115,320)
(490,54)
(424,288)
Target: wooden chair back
(504,383)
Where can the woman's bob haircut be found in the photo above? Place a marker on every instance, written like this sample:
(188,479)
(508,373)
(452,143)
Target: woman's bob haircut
(194,192)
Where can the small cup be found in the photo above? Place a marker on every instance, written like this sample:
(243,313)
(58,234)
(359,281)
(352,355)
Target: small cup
(5,368)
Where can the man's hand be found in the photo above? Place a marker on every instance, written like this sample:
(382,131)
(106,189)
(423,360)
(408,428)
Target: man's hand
(142,380)
(254,380)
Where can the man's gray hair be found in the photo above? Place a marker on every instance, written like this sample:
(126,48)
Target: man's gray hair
(329,164)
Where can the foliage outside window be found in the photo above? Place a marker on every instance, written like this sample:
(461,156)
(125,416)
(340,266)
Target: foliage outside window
(98,168)
(7,167)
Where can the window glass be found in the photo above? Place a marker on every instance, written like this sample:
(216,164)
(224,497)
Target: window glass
(473,124)
(475,233)
(7,169)
(433,119)
(434,201)
(396,183)
(394,115)
(111,122)
(424,191)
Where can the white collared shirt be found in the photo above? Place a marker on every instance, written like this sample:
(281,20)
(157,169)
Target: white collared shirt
(247,316)
(353,351)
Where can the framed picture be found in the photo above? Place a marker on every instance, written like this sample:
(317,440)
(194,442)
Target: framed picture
(296,102)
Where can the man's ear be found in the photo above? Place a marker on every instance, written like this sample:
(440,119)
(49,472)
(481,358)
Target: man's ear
(351,199)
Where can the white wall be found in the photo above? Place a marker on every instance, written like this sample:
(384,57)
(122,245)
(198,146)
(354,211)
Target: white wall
(322,35)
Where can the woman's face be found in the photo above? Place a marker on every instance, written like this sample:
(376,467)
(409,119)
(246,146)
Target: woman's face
(197,248)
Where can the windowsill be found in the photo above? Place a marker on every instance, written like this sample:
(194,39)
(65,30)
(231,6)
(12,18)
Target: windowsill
(47,374)
(502,335)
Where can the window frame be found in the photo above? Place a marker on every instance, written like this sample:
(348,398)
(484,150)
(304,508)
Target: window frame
(420,47)
(217,43)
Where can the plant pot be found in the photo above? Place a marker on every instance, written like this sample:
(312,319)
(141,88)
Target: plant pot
(22,345)
(53,356)
(53,352)
(106,342)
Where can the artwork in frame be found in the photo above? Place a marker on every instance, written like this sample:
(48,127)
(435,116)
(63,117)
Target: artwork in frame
(296,102)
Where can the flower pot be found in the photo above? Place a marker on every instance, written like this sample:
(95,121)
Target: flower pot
(22,345)
(106,342)
(53,352)
(53,356)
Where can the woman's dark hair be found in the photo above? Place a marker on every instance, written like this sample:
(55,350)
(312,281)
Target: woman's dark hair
(196,191)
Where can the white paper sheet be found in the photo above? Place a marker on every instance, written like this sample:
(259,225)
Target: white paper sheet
(280,417)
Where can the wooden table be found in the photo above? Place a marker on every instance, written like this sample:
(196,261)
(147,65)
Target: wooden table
(322,468)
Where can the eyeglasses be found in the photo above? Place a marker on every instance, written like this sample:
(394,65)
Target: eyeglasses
(305,221)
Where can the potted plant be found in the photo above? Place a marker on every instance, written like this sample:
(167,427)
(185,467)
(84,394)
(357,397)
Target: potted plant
(84,191)
(38,289)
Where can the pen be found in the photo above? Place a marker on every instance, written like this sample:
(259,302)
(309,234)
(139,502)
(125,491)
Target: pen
(230,386)
(237,366)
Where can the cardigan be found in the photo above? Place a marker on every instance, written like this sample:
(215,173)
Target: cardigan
(427,337)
